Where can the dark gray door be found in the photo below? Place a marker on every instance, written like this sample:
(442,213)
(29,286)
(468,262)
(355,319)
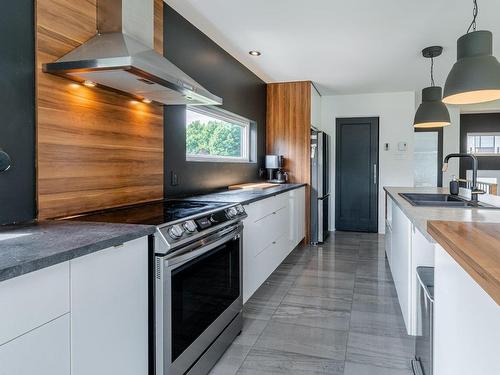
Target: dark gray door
(356,181)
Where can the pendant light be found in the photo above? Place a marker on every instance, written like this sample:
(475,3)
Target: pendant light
(475,77)
(432,113)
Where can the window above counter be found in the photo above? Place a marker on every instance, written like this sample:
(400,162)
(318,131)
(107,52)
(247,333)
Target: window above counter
(216,135)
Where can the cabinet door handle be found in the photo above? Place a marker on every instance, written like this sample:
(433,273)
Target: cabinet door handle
(375,174)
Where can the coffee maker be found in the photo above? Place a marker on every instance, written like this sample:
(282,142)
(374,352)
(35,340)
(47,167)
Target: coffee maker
(275,172)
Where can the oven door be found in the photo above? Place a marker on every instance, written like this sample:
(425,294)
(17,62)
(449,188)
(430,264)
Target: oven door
(198,295)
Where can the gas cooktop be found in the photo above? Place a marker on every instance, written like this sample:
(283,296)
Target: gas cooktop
(154,213)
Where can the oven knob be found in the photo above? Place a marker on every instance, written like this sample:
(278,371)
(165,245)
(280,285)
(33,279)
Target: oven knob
(175,232)
(189,226)
(232,212)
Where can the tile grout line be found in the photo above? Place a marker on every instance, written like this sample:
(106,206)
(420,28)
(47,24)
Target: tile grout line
(350,311)
(269,320)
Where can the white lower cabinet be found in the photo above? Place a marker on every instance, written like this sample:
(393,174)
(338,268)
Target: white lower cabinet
(31,300)
(42,351)
(109,311)
(273,228)
(406,248)
(401,261)
(422,254)
(466,322)
(80,317)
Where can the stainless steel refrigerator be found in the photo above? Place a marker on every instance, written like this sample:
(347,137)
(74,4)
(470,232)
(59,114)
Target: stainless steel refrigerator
(320,186)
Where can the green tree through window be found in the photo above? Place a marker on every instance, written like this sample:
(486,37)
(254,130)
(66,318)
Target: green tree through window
(208,136)
(213,138)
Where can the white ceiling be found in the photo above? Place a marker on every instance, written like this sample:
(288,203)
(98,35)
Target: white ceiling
(345,47)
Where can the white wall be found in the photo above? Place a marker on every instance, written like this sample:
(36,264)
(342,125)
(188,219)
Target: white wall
(395,112)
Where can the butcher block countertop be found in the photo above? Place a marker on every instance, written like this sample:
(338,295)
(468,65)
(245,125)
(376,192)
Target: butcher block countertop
(476,247)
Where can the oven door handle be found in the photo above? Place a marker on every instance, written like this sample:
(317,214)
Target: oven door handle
(194,250)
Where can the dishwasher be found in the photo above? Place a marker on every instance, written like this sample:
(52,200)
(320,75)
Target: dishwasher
(422,364)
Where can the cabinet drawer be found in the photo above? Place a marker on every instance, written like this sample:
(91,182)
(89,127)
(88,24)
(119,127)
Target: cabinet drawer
(33,299)
(265,207)
(43,351)
(261,233)
(272,256)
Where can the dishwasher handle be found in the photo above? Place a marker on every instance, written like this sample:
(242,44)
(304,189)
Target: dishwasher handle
(425,276)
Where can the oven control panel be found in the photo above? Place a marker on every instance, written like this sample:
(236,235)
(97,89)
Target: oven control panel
(220,217)
(192,227)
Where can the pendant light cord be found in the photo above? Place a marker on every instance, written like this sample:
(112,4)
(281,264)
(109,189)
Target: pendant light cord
(474,17)
(432,72)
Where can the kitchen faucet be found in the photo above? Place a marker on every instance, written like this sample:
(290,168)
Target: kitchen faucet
(474,190)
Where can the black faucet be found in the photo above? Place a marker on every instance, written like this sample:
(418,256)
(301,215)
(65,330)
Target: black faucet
(474,190)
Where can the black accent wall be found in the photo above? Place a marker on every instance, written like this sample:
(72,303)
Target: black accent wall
(477,123)
(242,91)
(17,110)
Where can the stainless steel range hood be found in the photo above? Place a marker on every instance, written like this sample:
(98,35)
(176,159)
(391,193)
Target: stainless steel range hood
(116,59)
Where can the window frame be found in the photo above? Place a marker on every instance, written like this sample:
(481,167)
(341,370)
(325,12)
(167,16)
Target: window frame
(480,134)
(440,134)
(225,116)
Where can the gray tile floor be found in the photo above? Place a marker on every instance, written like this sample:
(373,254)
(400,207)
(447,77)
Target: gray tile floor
(330,309)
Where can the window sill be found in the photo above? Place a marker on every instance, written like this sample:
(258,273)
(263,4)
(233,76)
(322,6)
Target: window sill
(218,160)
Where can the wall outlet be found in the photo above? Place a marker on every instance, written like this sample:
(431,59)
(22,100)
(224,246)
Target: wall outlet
(174,179)
(386,146)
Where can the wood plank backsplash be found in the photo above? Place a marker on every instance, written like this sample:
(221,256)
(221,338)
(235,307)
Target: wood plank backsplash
(288,131)
(95,149)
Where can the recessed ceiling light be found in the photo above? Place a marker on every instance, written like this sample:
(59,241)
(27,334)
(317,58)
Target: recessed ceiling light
(89,83)
(255,53)
(147,101)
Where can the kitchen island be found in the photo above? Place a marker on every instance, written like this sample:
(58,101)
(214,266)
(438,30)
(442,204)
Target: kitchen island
(463,246)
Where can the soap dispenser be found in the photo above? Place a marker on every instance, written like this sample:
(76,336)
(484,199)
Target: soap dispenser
(454,186)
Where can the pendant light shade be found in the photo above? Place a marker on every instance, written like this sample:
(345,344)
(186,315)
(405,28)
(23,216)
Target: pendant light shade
(475,77)
(432,113)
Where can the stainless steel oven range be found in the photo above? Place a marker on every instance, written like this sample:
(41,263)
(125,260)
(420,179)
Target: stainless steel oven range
(198,289)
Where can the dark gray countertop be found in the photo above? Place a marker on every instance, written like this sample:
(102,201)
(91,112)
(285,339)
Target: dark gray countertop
(43,244)
(244,196)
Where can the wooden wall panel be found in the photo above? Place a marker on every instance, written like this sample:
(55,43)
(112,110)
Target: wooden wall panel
(288,131)
(95,149)
(158,25)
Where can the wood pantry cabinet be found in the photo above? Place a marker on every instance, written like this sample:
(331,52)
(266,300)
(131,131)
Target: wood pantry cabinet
(85,316)
(273,228)
(292,109)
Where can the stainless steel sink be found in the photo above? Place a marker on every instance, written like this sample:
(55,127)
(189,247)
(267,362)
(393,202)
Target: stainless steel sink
(442,200)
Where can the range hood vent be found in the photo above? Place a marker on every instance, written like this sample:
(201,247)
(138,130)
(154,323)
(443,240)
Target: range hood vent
(115,59)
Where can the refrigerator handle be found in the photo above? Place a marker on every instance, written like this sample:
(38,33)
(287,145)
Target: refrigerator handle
(313,150)
(375,174)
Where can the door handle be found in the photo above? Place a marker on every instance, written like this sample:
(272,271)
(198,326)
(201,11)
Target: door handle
(375,174)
